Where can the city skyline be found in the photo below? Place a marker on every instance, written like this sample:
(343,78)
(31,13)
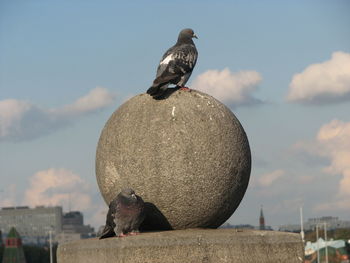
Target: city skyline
(282,68)
(37,223)
(69,218)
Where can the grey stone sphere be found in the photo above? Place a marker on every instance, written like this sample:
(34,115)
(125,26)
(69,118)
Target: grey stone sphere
(187,156)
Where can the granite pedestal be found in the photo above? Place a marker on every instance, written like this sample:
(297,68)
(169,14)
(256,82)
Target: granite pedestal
(190,245)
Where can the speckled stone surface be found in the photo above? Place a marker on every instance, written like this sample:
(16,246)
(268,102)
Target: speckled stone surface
(188,155)
(188,246)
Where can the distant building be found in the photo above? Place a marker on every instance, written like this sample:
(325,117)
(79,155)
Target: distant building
(73,218)
(332,223)
(310,224)
(242,226)
(13,252)
(290,228)
(261,220)
(65,237)
(73,223)
(336,250)
(33,224)
(261,226)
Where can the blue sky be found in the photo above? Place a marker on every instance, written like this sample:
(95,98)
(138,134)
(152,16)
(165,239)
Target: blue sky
(281,66)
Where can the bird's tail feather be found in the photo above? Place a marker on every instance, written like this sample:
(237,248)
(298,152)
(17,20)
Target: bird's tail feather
(108,231)
(157,92)
(153,90)
(160,85)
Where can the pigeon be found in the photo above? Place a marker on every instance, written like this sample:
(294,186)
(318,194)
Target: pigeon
(125,215)
(176,64)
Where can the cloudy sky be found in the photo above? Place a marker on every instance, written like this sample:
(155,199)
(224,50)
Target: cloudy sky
(283,67)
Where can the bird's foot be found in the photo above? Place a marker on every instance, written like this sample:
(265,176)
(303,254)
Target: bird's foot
(122,235)
(184,88)
(134,233)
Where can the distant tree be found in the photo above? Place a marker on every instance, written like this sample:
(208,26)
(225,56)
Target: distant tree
(36,254)
(54,250)
(1,252)
(341,233)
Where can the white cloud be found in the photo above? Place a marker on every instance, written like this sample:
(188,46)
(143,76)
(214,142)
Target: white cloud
(305,179)
(226,86)
(334,138)
(58,187)
(325,82)
(8,196)
(21,120)
(293,204)
(96,99)
(11,112)
(269,178)
(333,142)
(97,215)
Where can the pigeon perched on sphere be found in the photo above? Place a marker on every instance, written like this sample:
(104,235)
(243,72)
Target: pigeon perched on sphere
(176,64)
(125,215)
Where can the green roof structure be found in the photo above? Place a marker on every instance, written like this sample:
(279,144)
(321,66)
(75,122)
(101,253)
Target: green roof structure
(13,252)
(13,233)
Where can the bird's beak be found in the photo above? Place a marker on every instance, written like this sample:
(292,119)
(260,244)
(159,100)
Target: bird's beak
(195,36)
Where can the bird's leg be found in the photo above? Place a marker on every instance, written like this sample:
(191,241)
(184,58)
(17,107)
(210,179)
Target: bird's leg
(134,233)
(184,88)
(119,231)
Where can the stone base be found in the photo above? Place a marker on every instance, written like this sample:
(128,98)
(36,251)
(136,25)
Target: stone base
(191,245)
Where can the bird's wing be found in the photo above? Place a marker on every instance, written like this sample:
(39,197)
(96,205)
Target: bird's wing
(108,230)
(163,62)
(140,204)
(118,208)
(178,60)
(139,215)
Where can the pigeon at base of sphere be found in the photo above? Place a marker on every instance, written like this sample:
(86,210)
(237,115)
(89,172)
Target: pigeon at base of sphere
(125,215)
